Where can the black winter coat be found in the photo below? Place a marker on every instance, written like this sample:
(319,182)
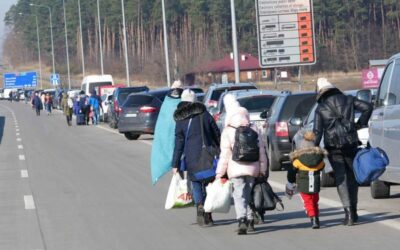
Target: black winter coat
(325,118)
(184,112)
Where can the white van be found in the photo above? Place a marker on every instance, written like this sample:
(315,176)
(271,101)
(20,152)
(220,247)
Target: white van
(93,82)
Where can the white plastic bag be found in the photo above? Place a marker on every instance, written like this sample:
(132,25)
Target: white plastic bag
(328,167)
(218,198)
(179,193)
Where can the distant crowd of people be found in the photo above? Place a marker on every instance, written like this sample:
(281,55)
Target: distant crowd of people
(86,108)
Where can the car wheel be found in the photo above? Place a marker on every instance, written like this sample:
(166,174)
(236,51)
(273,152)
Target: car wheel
(380,189)
(131,136)
(327,179)
(274,165)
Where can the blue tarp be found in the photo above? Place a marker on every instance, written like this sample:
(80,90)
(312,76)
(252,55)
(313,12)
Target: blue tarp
(164,140)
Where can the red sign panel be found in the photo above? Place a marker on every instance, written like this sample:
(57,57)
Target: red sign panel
(370,78)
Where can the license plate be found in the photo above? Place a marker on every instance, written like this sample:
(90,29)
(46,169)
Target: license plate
(131,115)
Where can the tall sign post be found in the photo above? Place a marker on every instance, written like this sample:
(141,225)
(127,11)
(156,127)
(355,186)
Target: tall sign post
(285,33)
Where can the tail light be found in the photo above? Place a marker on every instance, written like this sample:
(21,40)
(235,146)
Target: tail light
(217,116)
(147,109)
(281,129)
(117,108)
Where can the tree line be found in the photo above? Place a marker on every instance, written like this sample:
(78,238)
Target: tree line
(348,33)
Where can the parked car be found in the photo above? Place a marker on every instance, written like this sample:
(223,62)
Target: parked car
(118,98)
(139,113)
(105,93)
(327,178)
(384,127)
(215,91)
(279,131)
(255,101)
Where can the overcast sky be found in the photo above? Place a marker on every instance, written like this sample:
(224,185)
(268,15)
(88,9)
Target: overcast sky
(4,7)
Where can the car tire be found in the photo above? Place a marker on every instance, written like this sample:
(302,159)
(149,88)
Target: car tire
(274,165)
(131,136)
(327,179)
(380,189)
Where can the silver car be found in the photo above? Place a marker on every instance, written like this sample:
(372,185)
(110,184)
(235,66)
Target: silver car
(385,126)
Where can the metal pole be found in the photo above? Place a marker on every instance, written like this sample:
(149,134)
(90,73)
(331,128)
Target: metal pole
(66,46)
(52,41)
(125,44)
(100,42)
(38,44)
(234,42)
(166,44)
(300,78)
(80,30)
(276,78)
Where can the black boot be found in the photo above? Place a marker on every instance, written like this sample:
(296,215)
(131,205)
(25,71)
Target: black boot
(314,222)
(242,226)
(353,211)
(250,228)
(208,220)
(200,215)
(348,217)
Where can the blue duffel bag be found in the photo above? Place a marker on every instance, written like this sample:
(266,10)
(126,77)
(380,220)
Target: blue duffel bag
(369,164)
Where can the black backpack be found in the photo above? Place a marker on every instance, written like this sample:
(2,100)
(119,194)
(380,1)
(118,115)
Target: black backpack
(245,148)
(345,132)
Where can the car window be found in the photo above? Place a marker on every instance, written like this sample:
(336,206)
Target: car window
(257,103)
(393,96)
(311,115)
(383,90)
(138,101)
(197,90)
(216,94)
(123,93)
(161,95)
(297,106)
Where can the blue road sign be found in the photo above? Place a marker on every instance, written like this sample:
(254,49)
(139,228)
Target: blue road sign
(55,79)
(21,80)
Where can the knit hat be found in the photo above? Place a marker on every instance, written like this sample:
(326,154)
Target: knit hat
(230,103)
(176,85)
(323,84)
(188,96)
(307,141)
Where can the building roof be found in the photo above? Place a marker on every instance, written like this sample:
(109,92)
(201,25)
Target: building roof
(246,61)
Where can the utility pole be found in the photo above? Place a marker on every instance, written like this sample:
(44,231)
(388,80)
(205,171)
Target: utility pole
(80,31)
(100,41)
(234,43)
(66,46)
(125,44)
(166,44)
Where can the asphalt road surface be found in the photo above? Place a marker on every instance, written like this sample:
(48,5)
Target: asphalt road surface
(89,188)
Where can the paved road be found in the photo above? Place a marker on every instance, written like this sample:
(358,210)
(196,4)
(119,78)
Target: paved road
(89,188)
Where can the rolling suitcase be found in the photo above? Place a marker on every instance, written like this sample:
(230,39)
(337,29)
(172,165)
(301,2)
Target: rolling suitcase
(80,119)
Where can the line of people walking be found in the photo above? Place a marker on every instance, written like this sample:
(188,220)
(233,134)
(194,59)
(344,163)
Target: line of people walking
(85,108)
(186,134)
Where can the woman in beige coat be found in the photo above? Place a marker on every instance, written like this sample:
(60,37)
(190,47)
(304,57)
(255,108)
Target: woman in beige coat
(241,174)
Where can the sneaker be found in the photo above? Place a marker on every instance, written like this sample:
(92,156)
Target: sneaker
(314,222)
(242,226)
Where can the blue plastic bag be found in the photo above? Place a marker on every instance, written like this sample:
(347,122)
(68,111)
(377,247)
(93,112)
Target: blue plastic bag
(369,164)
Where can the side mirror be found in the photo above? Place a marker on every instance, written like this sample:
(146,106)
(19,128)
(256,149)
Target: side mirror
(296,121)
(364,95)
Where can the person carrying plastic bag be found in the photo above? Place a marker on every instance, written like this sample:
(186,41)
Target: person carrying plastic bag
(241,173)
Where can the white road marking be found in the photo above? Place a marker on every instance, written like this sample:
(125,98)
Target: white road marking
(17,130)
(29,202)
(332,203)
(20,147)
(19,139)
(21,157)
(24,173)
(17,134)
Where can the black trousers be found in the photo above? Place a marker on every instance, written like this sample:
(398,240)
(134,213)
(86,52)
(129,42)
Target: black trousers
(342,164)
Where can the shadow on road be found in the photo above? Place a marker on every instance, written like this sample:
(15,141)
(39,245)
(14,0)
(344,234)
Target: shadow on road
(2,123)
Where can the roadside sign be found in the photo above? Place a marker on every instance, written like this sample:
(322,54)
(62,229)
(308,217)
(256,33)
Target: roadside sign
(55,79)
(370,78)
(285,31)
(21,80)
